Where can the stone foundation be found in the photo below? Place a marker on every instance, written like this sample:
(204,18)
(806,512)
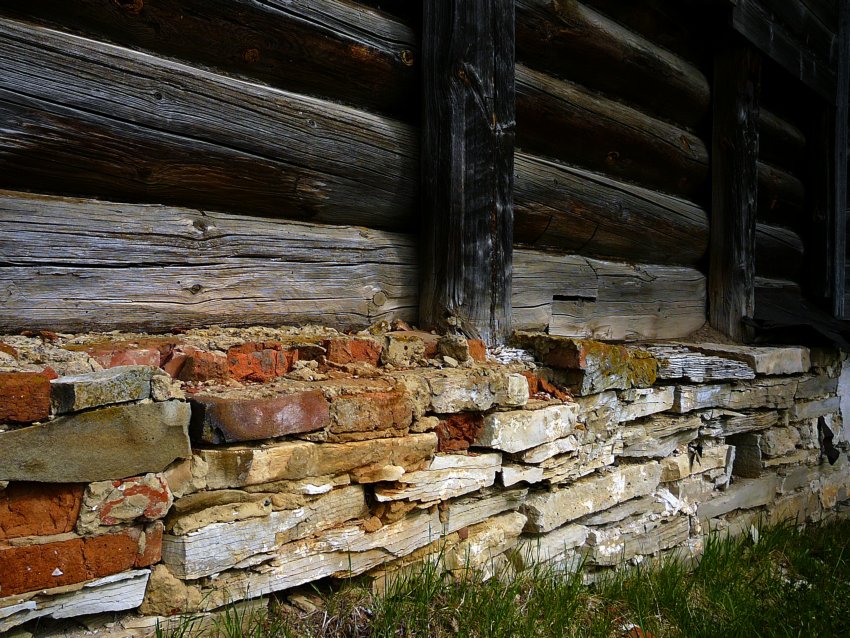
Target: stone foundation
(174,474)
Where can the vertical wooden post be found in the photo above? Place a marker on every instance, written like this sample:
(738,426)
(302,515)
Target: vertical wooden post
(840,143)
(737,72)
(467,166)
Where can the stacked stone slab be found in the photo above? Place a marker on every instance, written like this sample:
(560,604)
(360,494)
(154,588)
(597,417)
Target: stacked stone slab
(179,473)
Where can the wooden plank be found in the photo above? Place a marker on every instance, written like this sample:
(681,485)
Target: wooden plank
(329,48)
(734,188)
(327,150)
(780,142)
(571,40)
(78,265)
(779,253)
(825,10)
(574,296)
(467,166)
(573,210)
(800,20)
(606,136)
(752,21)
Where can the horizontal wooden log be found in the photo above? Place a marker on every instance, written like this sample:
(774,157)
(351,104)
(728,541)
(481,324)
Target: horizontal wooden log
(825,10)
(573,296)
(780,142)
(776,41)
(329,48)
(677,26)
(573,210)
(779,252)
(573,41)
(80,265)
(331,157)
(564,120)
(781,196)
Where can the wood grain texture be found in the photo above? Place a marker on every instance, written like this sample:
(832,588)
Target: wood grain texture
(574,296)
(734,186)
(754,21)
(779,253)
(804,23)
(570,40)
(780,142)
(329,155)
(78,265)
(840,152)
(330,48)
(467,166)
(565,121)
(781,195)
(573,210)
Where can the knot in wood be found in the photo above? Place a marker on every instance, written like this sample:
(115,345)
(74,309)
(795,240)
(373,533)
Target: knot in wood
(133,7)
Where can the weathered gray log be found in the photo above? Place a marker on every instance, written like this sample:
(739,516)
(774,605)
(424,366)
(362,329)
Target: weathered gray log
(329,48)
(468,166)
(779,253)
(331,155)
(77,265)
(780,142)
(574,296)
(564,120)
(734,182)
(570,40)
(577,211)
(677,26)
(781,195)
(803,23)
(751,19)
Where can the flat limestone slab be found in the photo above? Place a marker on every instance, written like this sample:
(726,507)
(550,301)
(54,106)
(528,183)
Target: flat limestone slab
(104,444)
(554,547)
(742,494)
(679,362)
(447,476)
(520,430)
(121,384)
(113,593)
(240,466)
(221,546)
(549,510)
(763,360)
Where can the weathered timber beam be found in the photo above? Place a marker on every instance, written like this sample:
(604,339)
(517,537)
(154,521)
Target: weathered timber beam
(779,252)
(780,142)
(750,19)
(76,265)
(467,166)
(734,187)
(840,147)
(575,296)
(825,10)
(781,196)
(573,41)
(334,49)
(326,155)
(800,20)
(573,210)
(564,120)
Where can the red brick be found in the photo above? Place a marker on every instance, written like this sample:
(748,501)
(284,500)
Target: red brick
(7,349)
(458,431)
(477,349)
(33,567)
(204,366)
(24,397)
(224,420)
(349,350)
(533,383)
(152,551)
(38,509)
(260,362)
(152,351)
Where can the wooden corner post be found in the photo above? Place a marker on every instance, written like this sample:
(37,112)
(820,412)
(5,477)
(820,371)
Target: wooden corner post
(467,166)
(731,296)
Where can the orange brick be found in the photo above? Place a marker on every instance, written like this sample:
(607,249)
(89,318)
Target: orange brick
(152,551)
(350,350)
(24,397)
(38,509)
(477,349)
(204,366)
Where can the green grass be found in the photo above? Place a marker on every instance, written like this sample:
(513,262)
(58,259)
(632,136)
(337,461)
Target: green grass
(780,582)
